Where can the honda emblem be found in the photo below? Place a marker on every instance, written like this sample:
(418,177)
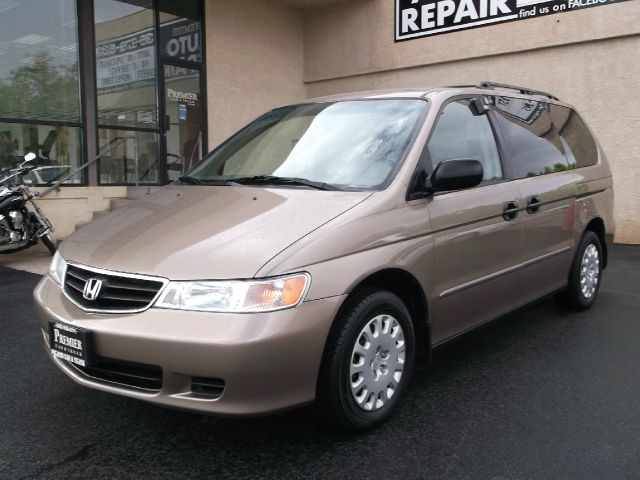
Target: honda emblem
(92,289)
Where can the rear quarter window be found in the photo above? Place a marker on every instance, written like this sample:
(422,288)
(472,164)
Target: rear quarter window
(533,146)
(580,145)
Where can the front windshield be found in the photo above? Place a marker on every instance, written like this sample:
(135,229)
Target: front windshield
(352,145)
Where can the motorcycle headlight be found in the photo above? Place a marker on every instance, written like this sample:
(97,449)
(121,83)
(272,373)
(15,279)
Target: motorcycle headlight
(236,296)
(58,268)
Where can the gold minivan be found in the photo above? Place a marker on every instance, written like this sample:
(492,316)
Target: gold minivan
(312,255)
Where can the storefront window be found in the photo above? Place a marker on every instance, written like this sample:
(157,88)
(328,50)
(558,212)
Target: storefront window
(147,88)
(39,87)
(126,63)
(129,158)
(180,35)
(39,61)
(57,149)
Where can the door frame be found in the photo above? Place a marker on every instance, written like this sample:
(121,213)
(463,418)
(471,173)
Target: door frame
(162,107)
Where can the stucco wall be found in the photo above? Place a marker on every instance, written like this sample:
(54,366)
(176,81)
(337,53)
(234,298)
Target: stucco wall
(589,58)
(254,61)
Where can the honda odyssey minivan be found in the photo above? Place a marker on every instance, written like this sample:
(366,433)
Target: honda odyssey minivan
(311,256)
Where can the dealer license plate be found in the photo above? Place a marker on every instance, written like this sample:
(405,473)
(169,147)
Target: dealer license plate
(71,343)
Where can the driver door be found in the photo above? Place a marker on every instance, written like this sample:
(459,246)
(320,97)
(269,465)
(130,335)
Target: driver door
(478,232)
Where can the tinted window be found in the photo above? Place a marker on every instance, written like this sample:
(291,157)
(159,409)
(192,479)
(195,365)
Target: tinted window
(579,144)
(533,146)
(460,134)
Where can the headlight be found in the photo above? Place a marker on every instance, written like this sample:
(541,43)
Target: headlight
(237,296)
(58,268)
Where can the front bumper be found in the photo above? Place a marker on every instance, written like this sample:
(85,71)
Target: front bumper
(268,361)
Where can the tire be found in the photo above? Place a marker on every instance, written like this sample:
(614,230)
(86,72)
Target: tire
(585,275)
(49,243)
(387,320)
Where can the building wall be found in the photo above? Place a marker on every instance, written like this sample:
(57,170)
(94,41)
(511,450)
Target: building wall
(255,61)
(588,58)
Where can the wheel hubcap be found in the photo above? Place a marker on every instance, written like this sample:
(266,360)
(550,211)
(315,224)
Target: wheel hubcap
(590,271)
(377,362)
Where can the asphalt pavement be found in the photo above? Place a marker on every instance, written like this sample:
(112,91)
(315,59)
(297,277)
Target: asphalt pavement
(540,394)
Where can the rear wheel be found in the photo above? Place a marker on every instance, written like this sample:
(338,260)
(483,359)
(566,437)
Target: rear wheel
(584,276)
(50,243)
(367,362)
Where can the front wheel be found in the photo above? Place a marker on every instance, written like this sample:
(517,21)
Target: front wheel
(367,363)
(585,275)
(50,243)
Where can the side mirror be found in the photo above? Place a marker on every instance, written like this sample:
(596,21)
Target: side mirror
(455,174)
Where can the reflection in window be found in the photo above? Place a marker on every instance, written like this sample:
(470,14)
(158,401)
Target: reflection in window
(130,157)
(356,144)
(39,60)
(125,63)
(461,134)
(180,35)
(532,144)
(580,146)
(57,149)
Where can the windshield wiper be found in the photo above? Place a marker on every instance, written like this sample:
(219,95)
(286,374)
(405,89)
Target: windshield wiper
(190,180)
(275,180)
(203,181)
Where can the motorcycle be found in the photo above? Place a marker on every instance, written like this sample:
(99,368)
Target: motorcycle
(21,227)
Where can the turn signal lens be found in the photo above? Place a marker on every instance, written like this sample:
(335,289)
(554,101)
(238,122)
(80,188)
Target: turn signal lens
(236,296)
(283,293)
(293,290)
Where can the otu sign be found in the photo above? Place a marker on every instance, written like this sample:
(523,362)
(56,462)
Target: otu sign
(419,18)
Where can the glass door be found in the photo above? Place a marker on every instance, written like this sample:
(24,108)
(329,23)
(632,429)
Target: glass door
(183,119)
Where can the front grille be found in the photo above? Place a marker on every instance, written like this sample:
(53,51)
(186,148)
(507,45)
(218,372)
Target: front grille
(127,374)
(120,293)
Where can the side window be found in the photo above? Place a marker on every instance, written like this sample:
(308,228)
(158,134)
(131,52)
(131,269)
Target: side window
(532,144)
(580,146)
(461,134)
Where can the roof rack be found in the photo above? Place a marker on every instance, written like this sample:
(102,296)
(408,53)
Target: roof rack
(523,90)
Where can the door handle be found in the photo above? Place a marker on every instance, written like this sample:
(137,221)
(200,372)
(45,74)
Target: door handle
(533,204)
(510,210)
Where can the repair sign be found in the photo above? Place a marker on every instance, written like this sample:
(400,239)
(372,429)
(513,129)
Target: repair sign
(420,18)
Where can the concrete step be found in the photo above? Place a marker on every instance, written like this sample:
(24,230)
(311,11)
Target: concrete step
(113,204)
(100,214)
(119,202)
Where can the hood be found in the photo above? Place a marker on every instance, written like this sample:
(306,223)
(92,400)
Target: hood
(202,232)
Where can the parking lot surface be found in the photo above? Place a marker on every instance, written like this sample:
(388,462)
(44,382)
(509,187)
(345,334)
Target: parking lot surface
(540,394)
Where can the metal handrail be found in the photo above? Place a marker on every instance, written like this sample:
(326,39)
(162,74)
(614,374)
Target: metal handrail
(110,146)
